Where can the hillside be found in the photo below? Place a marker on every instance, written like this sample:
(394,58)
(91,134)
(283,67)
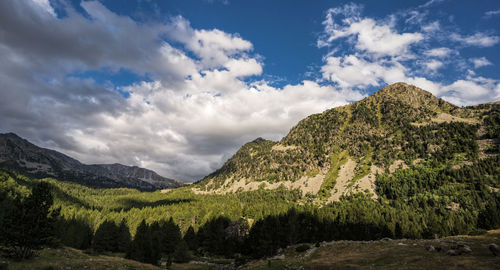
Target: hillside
(21,155)
(342,150)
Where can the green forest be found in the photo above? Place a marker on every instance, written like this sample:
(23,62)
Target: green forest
(425,201)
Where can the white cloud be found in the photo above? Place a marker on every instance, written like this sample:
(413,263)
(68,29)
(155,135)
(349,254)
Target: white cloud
(480,62)
(382,55)
(491,13)
(213,47)
(194,112)
(431,27)
(353,71)
(45,5)
(244,67)
(430,3)
(368,35)
(433,65)
(434,87)
(196,107)
(472,90)
(381,39)
(438,52)
(206,127)
(477,39)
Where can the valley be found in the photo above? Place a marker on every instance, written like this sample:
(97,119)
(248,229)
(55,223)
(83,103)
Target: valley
(400,164)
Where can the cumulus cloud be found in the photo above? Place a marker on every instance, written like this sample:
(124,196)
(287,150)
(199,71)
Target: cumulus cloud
(192,112)
(213,47)
(201,92)
(352,71)
(433,65)
(478,89)
(367,34)
(380,54)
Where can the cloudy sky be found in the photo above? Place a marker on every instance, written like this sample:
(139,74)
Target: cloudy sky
(178,86)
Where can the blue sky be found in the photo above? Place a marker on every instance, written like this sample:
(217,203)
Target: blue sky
(285,33)
(179,86)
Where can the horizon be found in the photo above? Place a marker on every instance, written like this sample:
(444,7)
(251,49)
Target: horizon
(177,87)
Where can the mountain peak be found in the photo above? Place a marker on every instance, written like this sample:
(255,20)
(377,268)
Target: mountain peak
(402,89)
(10,135)
(411,95)
(341,150)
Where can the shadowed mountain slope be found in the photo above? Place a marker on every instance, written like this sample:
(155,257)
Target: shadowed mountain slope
(21,155)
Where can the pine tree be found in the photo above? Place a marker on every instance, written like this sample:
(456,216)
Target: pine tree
(181,254)
(75,233)
(141,248)
(172,236)
(30,223)
(190,238)
(123,236)
(398,232)
(106,237)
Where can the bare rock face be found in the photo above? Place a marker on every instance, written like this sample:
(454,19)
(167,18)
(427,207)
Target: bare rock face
(494,249)
(25,157)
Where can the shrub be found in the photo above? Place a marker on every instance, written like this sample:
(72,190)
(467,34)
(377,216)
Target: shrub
(302,248)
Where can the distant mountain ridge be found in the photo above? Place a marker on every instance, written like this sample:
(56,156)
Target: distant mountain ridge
(342,150)
(20,154)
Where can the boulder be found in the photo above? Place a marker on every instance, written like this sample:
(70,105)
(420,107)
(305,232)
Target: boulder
(441,247)
(459,250)
(464,249)
(494,249)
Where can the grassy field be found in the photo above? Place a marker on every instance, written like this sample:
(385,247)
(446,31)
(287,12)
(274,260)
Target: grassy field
(395,254)
(69,258)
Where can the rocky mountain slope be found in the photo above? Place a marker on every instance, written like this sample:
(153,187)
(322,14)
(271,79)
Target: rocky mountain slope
(342,150)
(21,155)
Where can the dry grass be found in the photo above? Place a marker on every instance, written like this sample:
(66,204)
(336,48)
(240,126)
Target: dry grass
(69,258)
(392,255)
(448,118)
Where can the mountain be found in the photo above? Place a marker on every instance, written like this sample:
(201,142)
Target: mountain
(21,155)
(342,150)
